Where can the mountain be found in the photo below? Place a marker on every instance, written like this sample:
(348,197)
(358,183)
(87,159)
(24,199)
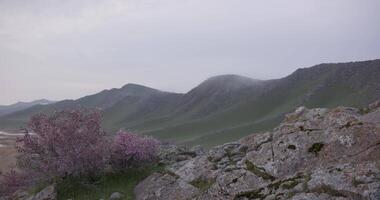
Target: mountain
(22,105)
(223,108)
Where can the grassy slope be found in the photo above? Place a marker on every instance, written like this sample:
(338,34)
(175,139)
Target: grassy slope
(221,110)
(323,86)
(122,182)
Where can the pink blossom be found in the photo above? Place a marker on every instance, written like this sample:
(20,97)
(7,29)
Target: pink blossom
(130,150)
(65,143)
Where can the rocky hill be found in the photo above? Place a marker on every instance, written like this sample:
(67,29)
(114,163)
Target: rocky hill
(222,108)
(313,154)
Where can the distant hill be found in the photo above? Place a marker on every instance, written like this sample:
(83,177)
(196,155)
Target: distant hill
(223,108)
(4,110)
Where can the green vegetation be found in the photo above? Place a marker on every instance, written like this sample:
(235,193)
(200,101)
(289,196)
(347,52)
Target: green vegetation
(290,184)
(202,183)
(286,184)
(123,182)
(258,171)
(329,190)
(255,194)
(316,148)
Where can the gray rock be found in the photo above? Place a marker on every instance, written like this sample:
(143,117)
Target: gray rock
(170,154)
(49,193)
(324,154)
(164,186)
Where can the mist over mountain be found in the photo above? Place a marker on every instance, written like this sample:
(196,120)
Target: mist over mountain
(222,108)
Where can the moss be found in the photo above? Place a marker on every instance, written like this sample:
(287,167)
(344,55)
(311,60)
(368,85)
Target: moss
(316,148)
(364,111)
(254,194)
(258,171)
(329,190)
(307,179)
(290,184)
(202,183)
(292,147)
(285,184)
(291,194)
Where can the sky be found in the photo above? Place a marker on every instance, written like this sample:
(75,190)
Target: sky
(58,49)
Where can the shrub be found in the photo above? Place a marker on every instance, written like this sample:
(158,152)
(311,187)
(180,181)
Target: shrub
(12,181)
(131,150)
(65,143)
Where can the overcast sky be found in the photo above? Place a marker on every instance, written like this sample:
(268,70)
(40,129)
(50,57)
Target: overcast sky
(59,49)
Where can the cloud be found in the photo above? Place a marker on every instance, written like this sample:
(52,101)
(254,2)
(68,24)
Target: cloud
(173,44)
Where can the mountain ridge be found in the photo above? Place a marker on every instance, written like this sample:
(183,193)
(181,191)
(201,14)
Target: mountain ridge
(225,107)
(7,109)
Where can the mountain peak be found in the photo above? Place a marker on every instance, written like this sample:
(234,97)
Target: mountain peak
(132,87)
(230,77)
(228,82)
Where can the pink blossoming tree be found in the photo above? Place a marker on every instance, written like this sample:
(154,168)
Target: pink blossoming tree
(131,150)
(65,143)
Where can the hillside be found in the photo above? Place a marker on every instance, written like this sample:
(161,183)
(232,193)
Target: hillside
(4,110)
(223,108)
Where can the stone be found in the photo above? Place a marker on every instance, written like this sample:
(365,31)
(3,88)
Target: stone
(48,193)
(317,154)
(164,186)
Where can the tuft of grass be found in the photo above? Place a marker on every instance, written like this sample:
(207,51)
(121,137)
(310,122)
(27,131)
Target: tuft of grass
(105,185)
(202,184)
(255,194)
(364,110)
(329,190)
(258,171)
(316,148)
(290,184)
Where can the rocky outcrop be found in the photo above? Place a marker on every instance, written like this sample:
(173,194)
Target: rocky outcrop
(313,154)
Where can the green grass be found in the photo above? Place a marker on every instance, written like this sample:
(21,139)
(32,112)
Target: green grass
(201,118)
(203,184)
(105,185)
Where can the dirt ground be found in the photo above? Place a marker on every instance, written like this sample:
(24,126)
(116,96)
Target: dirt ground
(8,151)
